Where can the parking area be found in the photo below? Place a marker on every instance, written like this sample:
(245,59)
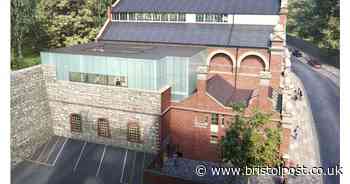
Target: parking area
(69,161)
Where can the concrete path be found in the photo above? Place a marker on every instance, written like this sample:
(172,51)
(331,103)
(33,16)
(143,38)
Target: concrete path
(324,100)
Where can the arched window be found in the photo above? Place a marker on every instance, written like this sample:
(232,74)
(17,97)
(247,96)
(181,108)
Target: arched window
(103,127)
(134,133)
(75,123)
(221,62)
(252,65)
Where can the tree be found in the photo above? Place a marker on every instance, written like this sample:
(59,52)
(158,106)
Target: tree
(22,21)
(316,21)
(249,142)
(68,22)
(102,10)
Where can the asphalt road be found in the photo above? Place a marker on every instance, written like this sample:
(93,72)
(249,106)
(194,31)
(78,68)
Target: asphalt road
(324,97)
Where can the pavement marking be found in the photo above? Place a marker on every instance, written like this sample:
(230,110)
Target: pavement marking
(42,151)
(40,163)
(52,148)
(80,154)
(132,169)
(143,166)
(102,157)
(124,162)
(59,153)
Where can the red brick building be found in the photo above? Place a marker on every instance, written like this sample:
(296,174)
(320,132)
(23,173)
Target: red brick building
(202,55)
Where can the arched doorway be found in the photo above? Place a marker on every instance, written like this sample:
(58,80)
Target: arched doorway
(221,63)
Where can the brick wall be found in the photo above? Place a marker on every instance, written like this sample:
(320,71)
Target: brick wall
(119,106)
(30,115)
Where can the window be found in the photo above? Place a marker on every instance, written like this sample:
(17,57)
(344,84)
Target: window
(75,123)
(120,81)
(214,119)
(156,17)
(223,120)
(182,17)
(103,128)
(199,18)
(218,18)
(115,16)
(164,17)
(147,16)
(132,16)
(97,79)
(77,77)
(123,16)
(173,17)
(139,16)
(209,18)
(110,80)
(134,134)
(214,139)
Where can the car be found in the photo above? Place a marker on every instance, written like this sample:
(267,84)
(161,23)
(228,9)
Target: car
(297,53)
(314,63)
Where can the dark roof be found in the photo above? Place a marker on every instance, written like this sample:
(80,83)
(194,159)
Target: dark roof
(130,50)
(229,35)
(225,93)
(262,7)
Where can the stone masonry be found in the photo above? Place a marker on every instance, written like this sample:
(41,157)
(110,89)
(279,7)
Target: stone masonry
(41,107)
(30,115)
(119,106)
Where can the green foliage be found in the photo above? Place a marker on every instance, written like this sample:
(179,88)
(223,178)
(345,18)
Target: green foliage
(22,22)
(30,58)
(315,21)
(249,143)
(68,22)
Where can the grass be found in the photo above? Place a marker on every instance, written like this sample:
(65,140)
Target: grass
(30,58)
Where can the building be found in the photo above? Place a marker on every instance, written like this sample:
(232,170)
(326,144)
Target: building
(165,72)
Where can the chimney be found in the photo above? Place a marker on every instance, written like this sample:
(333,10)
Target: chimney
(202,74)
(109,13)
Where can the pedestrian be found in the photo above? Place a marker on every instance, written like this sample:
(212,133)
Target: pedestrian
(300,94)
(175,159)
(296,132)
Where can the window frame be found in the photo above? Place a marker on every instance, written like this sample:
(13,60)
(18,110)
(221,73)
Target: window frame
(76,125)
(214,140)
(214,118)
(103,125)
(134,132)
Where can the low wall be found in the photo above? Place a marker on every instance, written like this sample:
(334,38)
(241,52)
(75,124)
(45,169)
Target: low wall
(30,114)
(119,105)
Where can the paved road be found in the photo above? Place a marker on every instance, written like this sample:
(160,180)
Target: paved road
(324,100)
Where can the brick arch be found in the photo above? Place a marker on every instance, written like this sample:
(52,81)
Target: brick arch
(252,64)
(254,54)
(221,62)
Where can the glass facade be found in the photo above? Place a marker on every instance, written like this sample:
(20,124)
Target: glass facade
(146,74)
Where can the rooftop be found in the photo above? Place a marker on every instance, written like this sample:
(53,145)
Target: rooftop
(254,36)
(130,50)
(258,7)
(225,93)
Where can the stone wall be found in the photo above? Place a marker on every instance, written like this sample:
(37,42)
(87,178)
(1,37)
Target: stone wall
(119,105)
(30,115)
